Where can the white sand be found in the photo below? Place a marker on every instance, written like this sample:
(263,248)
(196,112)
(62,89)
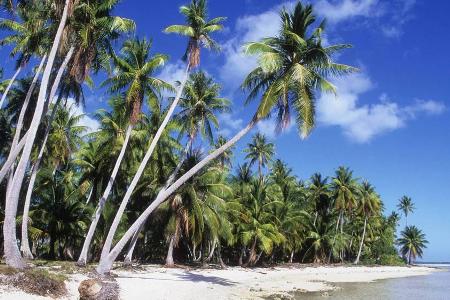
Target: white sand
(154,282)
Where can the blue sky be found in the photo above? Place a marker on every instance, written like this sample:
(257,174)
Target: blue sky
(390,122)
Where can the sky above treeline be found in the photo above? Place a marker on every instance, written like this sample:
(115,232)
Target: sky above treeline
(390,122)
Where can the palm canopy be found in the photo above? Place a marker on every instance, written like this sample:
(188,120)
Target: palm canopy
(134,74)
(29,36)
(345,189)
(412,243)
(369,201)
(406,205)
(94,29)
(260,151)
(198,29)
(291,67)
(200,105)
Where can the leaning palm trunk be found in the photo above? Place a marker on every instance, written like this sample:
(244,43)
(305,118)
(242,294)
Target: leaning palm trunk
(169,257)
(129,256)
(140,171)
(107,261)
(11,249)
(11,82)
(362,241)
(24,245)
(13,154)
(82,260)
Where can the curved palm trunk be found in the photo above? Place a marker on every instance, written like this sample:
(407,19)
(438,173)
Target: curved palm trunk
(107,261)
(169,257)
(129,256)
(82,260)
(13,154)
(112,231)
(11,82)
(24,245)
(362,241)
(11,249)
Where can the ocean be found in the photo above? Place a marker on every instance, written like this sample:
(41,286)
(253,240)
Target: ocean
(435,286)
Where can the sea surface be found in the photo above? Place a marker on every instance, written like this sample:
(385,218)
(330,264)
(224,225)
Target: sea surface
(428,287)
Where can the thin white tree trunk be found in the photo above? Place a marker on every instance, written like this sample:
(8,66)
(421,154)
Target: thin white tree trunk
(11,82)
(140,171)
(362,242)
(11,249)
(24,245)
(12,157)
(82,260)
(211,253)
(129,256)
(106,263)
(169,257)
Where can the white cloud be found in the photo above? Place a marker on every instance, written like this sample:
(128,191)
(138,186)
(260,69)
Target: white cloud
(173,72)
(268,127)
(90,123)
(361,123)
(337,11)
(229,124)
(247,29)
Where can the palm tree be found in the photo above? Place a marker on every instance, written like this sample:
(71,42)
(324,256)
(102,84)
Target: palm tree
(344,187)
(198,29)
(12,253)
(134,73)
(369,205)
(29,37)
(225,158)
(319,195)
(260,151)
(308,57)
(199,106)
(412,243)
(406,206)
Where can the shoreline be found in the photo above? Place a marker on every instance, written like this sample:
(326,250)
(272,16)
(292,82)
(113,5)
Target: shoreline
(233,282)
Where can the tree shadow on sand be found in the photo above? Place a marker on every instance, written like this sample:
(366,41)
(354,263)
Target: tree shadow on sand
(188,276)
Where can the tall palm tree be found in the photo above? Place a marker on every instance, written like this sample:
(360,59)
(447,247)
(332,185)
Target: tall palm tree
(260,151)
(12,253)
(406,206)
(307,56)
(319,195)
(198,30)
(199,106)
(344,188)
(134,74)
(412,243)
(369,205)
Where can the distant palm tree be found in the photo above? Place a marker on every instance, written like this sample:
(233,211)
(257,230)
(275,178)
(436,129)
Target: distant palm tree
(412,243)
(369,205)
(406,206)
(260,151)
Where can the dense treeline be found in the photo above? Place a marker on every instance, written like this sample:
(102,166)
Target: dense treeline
(155,182)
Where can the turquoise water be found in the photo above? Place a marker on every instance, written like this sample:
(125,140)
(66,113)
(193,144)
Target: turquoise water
(433,286)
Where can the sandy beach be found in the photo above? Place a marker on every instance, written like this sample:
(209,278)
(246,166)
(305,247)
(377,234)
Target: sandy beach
(233,282)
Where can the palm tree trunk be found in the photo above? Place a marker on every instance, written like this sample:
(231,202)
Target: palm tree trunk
(169,257)
(24,245)
(362,242)
(252,256)
(107,261)
(23,110)
(211,252)
(129,256)
(241,257)
(11,249)
(82,260)
(112,231)
(13,154)
(11,82)
(291,257)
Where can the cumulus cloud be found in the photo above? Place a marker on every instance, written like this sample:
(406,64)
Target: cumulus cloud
(337,11)
(268,127)
(247,29)
(229,124)
(362,122)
